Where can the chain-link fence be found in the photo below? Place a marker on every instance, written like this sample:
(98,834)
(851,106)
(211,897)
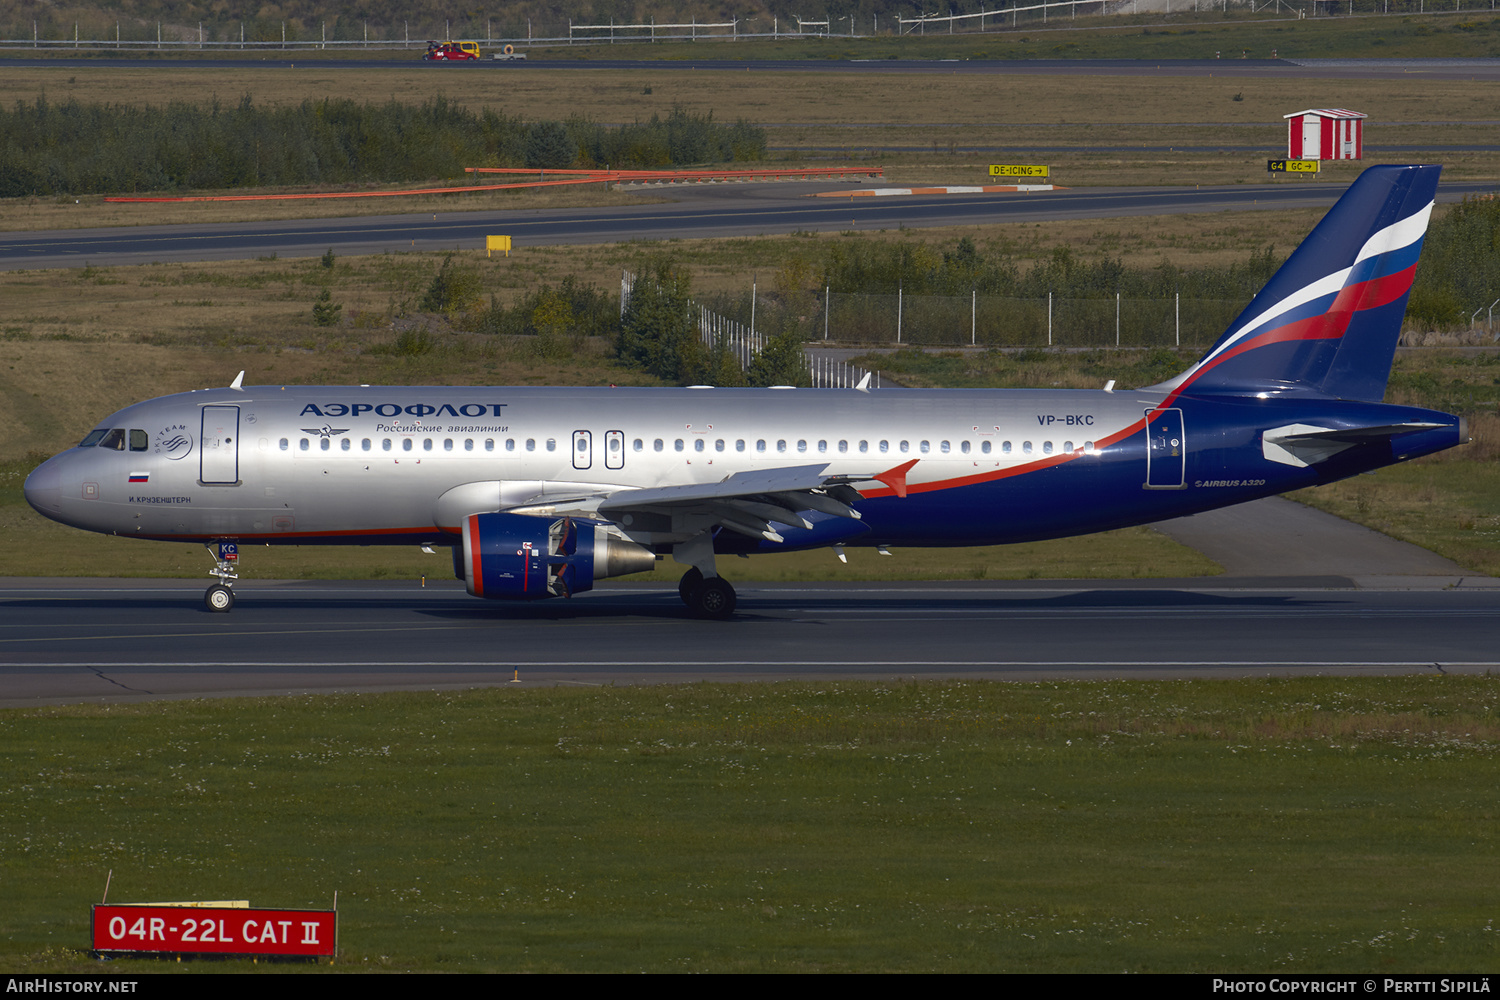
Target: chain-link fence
(1001,321)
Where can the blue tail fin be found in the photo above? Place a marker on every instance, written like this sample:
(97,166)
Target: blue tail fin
(1328,321)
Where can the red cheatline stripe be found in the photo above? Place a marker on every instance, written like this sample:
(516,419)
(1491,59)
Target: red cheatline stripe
(1018,470)
(1329,325)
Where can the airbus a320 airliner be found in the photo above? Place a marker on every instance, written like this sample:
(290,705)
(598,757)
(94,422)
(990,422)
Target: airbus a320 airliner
(540,492)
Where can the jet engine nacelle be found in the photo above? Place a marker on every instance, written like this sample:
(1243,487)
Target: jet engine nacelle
(521,557)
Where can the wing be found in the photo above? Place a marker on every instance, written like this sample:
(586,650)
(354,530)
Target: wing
(752,503)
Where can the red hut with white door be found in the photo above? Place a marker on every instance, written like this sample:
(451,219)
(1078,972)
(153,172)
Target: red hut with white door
(1325,134)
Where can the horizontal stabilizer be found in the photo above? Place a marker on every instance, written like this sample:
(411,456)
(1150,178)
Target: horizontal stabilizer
(1302,445)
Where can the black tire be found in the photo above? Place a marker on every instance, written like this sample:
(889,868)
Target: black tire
(713,598)
(218,599)
(691,580)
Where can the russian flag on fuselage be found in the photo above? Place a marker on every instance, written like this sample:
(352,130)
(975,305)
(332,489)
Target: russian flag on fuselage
(1329,319)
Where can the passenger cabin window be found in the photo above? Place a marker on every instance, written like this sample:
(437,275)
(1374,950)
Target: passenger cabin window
(324,443)
(303,444)
(285,444)
(406,444)
(346,444)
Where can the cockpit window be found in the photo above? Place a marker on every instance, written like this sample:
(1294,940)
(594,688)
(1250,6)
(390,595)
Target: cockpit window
(93,437)
(138,440)
(114,439)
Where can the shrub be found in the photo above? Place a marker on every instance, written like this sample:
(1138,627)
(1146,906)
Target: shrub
(453,289)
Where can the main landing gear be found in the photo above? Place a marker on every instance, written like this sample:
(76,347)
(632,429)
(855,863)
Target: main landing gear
(707,598)
(219,597)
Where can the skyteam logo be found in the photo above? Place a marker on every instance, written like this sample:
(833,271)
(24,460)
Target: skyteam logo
(174,442)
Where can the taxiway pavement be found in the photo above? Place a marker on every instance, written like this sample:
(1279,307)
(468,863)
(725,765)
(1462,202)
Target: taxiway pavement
(699,211)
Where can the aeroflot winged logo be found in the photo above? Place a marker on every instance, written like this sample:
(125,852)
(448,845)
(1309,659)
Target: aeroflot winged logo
(397,409)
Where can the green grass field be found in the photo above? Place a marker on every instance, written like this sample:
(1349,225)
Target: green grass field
(1304,825)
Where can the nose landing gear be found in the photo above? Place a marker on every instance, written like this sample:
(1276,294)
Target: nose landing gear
(219,597)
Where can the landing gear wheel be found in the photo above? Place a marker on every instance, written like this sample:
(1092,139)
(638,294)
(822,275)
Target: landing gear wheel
(713,598)
(691,581)
(218,598)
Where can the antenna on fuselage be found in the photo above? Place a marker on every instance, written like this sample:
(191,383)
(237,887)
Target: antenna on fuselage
(238,382)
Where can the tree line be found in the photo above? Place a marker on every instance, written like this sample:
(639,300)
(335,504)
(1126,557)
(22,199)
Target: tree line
(1460,266)
(75,148)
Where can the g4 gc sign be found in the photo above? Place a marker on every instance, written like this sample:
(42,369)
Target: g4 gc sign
(214,930)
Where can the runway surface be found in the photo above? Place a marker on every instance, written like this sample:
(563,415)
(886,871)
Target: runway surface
(700,211)
(87,640)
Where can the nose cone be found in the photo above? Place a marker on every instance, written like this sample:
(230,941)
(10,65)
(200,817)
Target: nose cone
(44,488)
